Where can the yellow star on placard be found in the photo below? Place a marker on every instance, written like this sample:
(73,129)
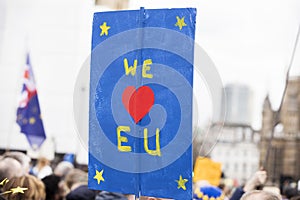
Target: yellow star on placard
(104,29)
(4,181)
(18,190)
(181,183)
(99,176)
(180,22)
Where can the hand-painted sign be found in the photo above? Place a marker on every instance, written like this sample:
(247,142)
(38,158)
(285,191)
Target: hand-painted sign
(140,126)
(207,169)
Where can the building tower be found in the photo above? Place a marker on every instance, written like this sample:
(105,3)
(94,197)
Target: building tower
(237,143)
(238,103)
(281,134)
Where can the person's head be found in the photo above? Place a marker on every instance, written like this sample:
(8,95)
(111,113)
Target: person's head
(76,177)
(259,194)
(35,188)
(290,192)
(42,162)
(295,198)
(51,183)
(63,168)
(9,167)
(22,158)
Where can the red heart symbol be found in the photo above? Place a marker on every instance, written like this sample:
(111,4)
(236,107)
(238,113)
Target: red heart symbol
(138,102)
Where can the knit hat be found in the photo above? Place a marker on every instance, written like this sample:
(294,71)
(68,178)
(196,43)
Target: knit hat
(208,193)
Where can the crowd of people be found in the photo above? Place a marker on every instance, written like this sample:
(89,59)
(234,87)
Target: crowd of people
(20,180)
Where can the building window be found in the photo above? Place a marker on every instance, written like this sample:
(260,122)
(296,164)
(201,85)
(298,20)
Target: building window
(226,167)
(254,166)
(228,153)
(236,167)
(244,167)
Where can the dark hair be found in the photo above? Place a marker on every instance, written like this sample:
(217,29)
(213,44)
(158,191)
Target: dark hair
(51,186)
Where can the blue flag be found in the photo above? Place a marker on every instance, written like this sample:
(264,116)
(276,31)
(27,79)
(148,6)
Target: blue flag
(29,113)
(140,116)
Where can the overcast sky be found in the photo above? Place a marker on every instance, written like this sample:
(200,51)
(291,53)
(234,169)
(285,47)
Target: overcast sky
(249,41)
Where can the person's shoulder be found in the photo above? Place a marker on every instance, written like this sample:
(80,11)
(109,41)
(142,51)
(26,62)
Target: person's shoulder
(81,192)
(103,195)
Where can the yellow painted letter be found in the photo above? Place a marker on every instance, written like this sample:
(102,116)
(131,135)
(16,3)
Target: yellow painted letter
(131,69)
(152,152)
(122,138)
(146,67)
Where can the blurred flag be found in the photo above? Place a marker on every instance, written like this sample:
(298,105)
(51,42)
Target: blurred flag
(28,113)
(207,169)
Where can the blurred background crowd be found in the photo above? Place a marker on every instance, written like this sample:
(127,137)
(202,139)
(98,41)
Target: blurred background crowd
(40,179)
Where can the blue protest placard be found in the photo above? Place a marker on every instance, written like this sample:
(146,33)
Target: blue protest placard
(140,119)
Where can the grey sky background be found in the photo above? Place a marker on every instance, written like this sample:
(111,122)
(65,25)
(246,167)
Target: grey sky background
(249,41)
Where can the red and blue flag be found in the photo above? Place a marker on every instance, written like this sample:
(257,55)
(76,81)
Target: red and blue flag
(29,113)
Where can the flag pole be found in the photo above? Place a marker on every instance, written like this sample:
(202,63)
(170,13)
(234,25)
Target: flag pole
(276,119)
